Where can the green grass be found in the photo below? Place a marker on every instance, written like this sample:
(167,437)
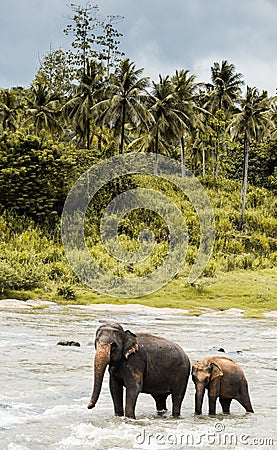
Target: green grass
(241,272)
(252,291)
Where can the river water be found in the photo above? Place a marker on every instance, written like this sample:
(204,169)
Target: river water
(45,387)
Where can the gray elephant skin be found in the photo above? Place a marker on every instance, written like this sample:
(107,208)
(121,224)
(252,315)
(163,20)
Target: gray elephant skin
(140,363)
(224,379)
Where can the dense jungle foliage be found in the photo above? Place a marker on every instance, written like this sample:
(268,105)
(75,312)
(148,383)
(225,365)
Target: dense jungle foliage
(90,103)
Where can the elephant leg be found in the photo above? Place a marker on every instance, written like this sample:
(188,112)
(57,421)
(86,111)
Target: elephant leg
(133,388)
(116,389)
(246,403)
(212,405)
(177,399)
(160,402)
(131,400)
(178,396)
(225,404)
(176,406)
(244,398)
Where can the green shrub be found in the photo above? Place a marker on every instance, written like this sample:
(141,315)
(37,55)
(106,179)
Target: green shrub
(28,258)
(67,292)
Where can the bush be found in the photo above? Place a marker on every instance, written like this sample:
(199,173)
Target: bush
(29,259)
(15,275)
(67,292)
(35,175)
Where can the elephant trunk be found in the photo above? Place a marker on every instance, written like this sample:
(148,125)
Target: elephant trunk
(199,395)
(101,360)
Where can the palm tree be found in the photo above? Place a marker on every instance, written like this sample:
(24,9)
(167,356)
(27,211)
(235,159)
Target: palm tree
(220,99)
(274,116)
(43,109)
(10,100)
(186,95)
(78,108)
(167,116)
(123,103)
(167,120)
(225,88)
(254,122)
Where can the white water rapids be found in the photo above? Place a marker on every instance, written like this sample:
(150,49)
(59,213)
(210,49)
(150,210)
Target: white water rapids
(45,387)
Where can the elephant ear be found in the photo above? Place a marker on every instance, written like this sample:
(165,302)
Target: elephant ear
(197,365)
(130,344)
(216,371)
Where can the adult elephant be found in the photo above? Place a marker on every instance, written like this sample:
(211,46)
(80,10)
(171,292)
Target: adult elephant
(223,378)
(140,363)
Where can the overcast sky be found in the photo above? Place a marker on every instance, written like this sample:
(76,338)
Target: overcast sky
(159,35)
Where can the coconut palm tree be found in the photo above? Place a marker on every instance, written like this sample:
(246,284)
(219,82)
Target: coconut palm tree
(9,108)
(254,122)
(43,109)
(168,117)
(225,88)
(167,121)
(274,116)
(186,92)
(78,109)
(123,103)
(220,98)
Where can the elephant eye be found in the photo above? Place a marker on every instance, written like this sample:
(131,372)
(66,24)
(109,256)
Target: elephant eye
(114,346)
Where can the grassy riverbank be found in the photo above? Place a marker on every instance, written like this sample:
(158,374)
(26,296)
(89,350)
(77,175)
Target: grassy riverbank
(241,272)
(254,292)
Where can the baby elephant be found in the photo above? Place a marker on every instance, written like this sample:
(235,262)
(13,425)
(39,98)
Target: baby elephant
(223,378)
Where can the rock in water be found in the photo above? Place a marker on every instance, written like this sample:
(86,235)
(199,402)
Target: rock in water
(70,343)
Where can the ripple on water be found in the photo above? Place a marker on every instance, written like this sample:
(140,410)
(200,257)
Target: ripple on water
(45,388)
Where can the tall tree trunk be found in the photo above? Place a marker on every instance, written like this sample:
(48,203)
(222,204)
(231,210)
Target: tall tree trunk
(156,152)
(122,128)
(88,134)
(245,178)
(213,162)
(99,142)
(217,155)
(203,160)
(183,168)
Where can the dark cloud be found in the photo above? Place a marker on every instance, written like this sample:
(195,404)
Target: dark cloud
(163,36)
(159,35)
(28,28)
